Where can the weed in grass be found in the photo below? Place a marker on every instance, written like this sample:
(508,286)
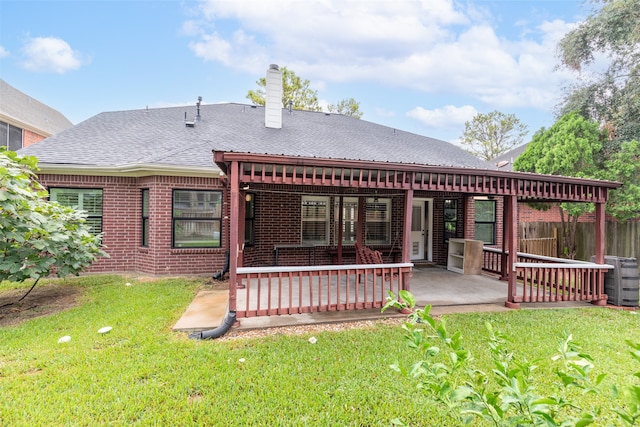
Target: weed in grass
(510,394)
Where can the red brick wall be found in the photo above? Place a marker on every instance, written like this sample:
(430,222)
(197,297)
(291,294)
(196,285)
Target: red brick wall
(277,221)
(528,214)
(122,224)
(30,138)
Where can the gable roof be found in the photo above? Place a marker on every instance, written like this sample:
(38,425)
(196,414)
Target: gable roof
(159,138)
(21,110)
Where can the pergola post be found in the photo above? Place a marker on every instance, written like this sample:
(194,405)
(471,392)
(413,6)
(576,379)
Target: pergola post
(406,234)
(362,205)
(242,211)
(506,228)
(340,225)
(600,230)
(599,255)
(234,211)
(512,246)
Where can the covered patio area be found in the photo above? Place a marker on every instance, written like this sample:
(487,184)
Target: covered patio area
(328,286)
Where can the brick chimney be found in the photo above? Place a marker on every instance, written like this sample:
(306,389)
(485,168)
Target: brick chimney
(273,101)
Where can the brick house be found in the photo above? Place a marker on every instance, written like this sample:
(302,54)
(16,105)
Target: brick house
(174,189)
(24,120)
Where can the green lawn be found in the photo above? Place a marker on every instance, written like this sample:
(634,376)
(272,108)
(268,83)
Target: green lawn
(142,373)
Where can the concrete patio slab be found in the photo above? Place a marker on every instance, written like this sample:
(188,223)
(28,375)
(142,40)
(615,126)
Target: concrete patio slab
(206,311)
(447,292)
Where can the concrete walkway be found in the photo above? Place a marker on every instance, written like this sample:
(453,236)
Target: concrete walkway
(445,291)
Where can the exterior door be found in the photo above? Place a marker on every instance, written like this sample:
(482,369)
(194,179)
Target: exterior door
(417,230)
(420,230)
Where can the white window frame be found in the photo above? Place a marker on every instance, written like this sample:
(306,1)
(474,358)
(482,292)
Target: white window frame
(303,219)
(386,219)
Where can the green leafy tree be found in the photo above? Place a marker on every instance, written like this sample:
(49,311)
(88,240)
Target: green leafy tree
(298,94)
(347,107)
(489,135)
(294,90)
(611,96)
(624,166)
(571,147)
(39,237)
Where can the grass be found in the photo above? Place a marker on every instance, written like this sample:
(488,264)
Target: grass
(142,373)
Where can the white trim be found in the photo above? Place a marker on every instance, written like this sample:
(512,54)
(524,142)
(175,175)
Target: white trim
(561,265)
(284,269)
(134,170)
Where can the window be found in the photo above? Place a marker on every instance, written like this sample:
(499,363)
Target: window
(10,136)
(349,219)
(197,218)
(250,219)
(89,200)
(315,220)
(485,221)
(145,217)
(450,219)
(378,221)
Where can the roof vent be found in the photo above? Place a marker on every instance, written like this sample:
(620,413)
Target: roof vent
(187,123)
(198,118)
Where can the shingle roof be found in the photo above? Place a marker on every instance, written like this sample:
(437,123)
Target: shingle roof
(30,113)
(505,161)
(160,137)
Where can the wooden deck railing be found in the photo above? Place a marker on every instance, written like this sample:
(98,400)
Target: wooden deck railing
(267,291)
(549,279)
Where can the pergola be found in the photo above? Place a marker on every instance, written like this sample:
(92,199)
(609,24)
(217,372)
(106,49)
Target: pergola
(243,169)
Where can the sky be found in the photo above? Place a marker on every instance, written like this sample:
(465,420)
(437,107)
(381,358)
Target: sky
(421,66)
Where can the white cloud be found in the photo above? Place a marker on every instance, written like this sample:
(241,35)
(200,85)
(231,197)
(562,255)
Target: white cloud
(51,54)
(434,46)
(3,52)
(447,117)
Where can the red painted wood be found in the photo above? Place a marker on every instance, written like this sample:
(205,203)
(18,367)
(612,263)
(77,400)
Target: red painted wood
(233,234)
(512,245)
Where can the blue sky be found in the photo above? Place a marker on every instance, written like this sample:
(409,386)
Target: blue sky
(421,66)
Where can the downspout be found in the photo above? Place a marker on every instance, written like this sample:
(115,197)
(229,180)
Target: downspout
(234,210)
(228,322)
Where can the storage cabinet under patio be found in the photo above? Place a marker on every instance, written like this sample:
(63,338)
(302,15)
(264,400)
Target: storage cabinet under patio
(465,256)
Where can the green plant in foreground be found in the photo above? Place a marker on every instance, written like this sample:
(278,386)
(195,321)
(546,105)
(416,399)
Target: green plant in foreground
(630,394)
(507,396)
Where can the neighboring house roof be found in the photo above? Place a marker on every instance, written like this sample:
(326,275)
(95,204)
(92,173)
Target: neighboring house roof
(21,110)
(505,161)
(159,138)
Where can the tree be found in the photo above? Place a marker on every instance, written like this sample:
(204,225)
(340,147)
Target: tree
(624,166)
(571,147)
(610,97)
(294,90)
(298,92)
(39,237)
(489,135)
(347,107)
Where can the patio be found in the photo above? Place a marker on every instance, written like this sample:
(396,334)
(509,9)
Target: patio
(446,291)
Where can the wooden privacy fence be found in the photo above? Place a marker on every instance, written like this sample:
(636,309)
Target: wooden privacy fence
(291,290)
(545,246)
(548,279)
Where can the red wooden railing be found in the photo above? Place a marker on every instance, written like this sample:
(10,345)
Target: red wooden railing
(266,291)
(548,279)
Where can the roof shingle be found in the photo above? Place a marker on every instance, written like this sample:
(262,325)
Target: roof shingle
(159,136)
